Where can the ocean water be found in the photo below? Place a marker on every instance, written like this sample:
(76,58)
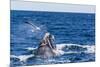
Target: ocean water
(74,37)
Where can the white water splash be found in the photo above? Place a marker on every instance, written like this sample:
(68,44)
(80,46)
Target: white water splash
(31,48)
(22,58)
(34,27)
(90,48)
(59,52)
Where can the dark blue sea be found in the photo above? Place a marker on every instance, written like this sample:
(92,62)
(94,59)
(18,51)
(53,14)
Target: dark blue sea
(74,36)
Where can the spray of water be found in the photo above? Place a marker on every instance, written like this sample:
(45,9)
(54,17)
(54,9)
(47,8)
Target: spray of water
(37,30)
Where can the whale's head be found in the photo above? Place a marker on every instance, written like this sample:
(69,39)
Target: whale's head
(46,47)
(48,35)
(48,38)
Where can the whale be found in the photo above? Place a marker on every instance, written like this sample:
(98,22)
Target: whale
(46,48)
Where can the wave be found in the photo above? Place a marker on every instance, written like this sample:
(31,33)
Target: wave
(62,49)
(31,48)
(89,48)
(22,58)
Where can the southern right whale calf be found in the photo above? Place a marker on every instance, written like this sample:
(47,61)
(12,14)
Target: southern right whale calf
(46,48)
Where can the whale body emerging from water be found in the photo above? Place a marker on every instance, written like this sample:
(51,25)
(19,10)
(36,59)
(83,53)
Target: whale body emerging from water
(46,48)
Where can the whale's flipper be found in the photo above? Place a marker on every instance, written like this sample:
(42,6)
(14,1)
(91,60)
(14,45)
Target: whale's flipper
(34,27)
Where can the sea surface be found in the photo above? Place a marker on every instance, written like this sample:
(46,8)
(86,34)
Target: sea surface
(74,36)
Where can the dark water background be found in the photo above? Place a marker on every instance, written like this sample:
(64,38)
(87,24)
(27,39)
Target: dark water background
(74,30)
